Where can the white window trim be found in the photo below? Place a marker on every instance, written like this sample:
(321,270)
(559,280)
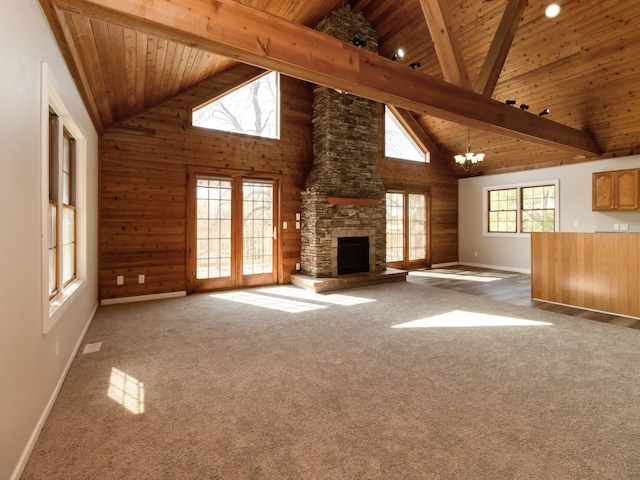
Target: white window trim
(518,186)
(53,309)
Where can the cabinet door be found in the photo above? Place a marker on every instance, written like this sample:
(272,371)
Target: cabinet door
(627,190)
(603,191)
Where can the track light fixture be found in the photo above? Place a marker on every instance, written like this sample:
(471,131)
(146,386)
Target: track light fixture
(359,43)
(415,65)
(544,112)
(398,54)
(524,107)
(510,102)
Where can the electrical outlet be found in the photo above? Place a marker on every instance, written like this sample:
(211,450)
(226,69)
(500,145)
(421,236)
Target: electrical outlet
(624,227)
(297,225)
(297,266)
(119,280)
(616,227)
(475,254)
(141,278)
(576,223)
(284,225)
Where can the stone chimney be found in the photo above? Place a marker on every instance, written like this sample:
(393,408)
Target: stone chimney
(344,195)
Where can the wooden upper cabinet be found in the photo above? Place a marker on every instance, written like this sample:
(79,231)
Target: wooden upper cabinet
(616,190)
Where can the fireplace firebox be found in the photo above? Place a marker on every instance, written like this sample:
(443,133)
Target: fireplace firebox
(353,255)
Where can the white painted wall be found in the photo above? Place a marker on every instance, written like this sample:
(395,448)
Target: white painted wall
(575,205)
(30,369)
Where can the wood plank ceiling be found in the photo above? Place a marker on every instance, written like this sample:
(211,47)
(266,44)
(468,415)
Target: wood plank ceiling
(580,65)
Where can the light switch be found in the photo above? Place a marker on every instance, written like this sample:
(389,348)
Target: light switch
(284,225)
(297,225)
(119,280)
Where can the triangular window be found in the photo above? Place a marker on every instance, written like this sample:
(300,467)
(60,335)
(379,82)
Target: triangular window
(398,142)
(253,109)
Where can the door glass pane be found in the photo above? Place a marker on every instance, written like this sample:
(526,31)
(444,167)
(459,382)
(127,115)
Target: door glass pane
(257,227)
(417,227)
(395,227)
(213,227)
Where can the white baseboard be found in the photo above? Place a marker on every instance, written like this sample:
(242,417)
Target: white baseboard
(443,265)
(497,267)
(26,453)
(142,298)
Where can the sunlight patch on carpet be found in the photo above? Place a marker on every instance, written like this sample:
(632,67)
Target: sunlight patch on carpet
(127,391)
(454,276)
(300,294)
(273,303)
(460,318)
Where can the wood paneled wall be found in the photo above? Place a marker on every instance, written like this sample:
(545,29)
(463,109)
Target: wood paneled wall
(598,271)
(143,185)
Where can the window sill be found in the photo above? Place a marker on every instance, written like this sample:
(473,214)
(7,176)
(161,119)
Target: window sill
(60,303)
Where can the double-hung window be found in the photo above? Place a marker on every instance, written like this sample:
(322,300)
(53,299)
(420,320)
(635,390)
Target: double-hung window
(521,209)
(63,224)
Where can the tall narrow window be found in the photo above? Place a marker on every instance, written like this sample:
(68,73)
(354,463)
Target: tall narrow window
(68,209)
(61,230)
(395,227)
(252,109)
(417,227)
(63,206)
(52,212)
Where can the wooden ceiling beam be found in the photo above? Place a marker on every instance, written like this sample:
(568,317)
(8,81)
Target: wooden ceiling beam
(494,61)
(445,41)
(251,36)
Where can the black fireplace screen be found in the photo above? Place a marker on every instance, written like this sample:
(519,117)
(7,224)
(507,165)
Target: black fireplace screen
(353,255)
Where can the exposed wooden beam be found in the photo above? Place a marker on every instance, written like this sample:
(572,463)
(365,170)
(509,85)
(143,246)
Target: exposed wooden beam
(255,37)
(445,41)
(419,135)
(494,61)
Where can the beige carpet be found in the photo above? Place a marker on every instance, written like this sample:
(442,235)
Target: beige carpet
(399,381)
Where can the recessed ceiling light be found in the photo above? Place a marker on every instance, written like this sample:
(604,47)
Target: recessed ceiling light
(552,10)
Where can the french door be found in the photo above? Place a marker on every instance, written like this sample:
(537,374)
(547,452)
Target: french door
(407,229)
(233,231)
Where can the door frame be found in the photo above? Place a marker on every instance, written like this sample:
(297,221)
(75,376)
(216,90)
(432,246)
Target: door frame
(405,263)
(236,280)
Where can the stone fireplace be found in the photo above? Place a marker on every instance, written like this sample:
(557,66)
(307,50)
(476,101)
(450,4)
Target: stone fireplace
(344,196)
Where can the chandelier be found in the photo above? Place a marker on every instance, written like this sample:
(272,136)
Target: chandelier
(469,160)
